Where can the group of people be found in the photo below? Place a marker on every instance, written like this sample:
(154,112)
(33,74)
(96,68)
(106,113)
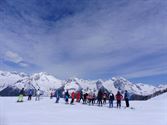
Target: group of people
(91,98)
(87,97)
(30,92)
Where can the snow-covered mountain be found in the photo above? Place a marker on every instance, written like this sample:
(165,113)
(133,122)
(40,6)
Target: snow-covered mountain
(122,84)
(45,82)
(9,78)
(115,84)
(42,81)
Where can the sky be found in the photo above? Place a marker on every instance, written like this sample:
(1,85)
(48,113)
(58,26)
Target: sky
(89,39)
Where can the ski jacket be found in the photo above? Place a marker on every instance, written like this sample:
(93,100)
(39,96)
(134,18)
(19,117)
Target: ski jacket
(30,92)
(89,97)
(72,95)
(78,96)
(100,94)
(126,95)
(57,94)
(22,92)
(85,95)
(104,96)
(119,97)
(111,97)
(67,95)
(38,92)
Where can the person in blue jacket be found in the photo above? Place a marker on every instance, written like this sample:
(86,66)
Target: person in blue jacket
(57,95)
(30,93)
(126,98)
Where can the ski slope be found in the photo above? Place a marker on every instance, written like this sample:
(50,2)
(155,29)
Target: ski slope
(46,112)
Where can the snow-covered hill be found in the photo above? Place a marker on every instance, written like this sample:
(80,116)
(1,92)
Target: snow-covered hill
(162,97)
(45,82)
(47,112)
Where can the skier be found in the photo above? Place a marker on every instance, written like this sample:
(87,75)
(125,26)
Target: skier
(81,95)
(104,97)
(119,98)
(94,98)
(126,97)
(85,98)
(66,96)
(57,95)
(72,97)
(111,99)
(30,94)
(38,93)
(100,97)
(89,97)
(78,96)
(51,94)
(21,94)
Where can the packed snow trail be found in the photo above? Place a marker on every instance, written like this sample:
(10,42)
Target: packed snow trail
(47,112)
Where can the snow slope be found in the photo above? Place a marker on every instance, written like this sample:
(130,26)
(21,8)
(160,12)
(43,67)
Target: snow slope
(162,97)
(46,112)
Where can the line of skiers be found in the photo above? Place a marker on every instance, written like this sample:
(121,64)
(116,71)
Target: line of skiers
(22,93)
(91,98)
(86,97)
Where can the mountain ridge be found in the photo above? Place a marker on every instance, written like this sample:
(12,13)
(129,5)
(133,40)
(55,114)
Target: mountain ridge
(45,82)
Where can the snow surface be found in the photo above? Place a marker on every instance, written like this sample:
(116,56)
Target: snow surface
(46,112)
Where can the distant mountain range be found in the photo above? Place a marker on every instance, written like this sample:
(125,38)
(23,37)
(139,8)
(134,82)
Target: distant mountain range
(12,82)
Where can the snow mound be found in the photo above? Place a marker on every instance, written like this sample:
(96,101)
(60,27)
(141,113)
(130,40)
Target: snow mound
(160,97)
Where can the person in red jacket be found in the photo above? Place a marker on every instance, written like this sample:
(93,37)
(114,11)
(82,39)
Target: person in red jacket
(72,97)
(78,96)
(119,97)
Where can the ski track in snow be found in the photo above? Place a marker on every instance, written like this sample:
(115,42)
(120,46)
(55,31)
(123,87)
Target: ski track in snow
(46,112)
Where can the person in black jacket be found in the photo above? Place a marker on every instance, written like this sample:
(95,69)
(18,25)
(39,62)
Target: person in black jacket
(126,97)
(100,97)
(66,96)
(21,94)
(111,99)
(85,98)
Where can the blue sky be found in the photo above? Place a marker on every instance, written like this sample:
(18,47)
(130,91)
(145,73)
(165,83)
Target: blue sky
(89,39)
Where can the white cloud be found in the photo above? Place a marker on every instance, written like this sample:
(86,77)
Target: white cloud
(13,57)
(23,64)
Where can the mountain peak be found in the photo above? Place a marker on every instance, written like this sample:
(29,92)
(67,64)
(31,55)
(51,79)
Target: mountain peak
(46,81)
